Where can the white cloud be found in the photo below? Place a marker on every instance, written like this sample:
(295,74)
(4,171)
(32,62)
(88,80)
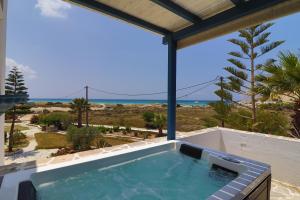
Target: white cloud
(53,8)
(27,71)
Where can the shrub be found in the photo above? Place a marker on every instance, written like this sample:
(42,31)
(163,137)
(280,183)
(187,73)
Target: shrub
(61,120)
(271,122)
(268,122)
(149,118)
(277,106)
(103,129)
(128,129)
(82,138)
(45,111)
(116,128)
(34,119)
(18,137)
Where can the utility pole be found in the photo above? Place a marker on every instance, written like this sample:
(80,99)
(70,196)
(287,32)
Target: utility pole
(222,97)
(87,108)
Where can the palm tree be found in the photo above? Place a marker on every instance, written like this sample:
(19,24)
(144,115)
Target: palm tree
(79,105)
(159,121)
(14,85)
(283,79)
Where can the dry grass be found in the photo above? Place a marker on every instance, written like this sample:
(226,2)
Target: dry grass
(51,140)
(188,118)
(17,127)
(56,140)
(113,141)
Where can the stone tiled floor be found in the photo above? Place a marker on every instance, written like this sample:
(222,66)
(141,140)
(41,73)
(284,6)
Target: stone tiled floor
(281,191)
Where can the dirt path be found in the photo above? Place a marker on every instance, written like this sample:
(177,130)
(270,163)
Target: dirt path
(29,152)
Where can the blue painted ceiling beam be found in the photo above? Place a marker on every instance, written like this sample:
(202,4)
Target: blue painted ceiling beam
(95,5)
(248,8)
(178,10)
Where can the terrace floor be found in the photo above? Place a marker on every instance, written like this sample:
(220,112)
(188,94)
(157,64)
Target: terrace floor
(279,190)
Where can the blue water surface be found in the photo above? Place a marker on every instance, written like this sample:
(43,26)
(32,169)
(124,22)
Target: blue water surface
(126,101)
(165,176)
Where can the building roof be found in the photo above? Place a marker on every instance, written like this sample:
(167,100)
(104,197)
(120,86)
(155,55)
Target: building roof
(192,21)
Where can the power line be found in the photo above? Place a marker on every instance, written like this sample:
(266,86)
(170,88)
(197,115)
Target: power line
(195,91)
(71,94)
(153,93)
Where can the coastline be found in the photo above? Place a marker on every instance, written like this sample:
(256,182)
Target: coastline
(201,103)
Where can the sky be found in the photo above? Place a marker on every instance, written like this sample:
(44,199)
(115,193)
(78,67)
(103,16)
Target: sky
(61,48)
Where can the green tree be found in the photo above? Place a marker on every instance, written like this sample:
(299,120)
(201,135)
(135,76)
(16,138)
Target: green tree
(79,105)
(14,85)
(253,43)
(283,79)
(61,120)
(148,118)
(159,121)
(82,138)
(222,108)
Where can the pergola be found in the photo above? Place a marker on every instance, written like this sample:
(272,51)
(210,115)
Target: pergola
(181,23)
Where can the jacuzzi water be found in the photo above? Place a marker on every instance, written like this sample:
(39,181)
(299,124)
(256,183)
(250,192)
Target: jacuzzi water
(166,175)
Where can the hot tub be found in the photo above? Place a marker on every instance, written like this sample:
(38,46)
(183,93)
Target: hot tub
(169,170)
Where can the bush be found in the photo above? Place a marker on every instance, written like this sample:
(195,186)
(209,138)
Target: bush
(82,138)
(45,111)
(277,106)
(103,129)
(128,129)
(18,138)
(149,118)
(34,119)
(116,128)
(271,122)
(61,120)
(268,122)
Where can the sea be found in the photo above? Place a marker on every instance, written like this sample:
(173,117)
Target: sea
(126,101)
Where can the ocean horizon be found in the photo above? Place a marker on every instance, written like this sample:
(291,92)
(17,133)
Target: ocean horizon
(125,101)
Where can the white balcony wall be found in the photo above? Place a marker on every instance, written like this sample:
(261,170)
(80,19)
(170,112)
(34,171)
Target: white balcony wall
(282,153)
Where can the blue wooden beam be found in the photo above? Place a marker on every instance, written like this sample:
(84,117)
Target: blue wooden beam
(96,5)
(172,54)
(178,10)
(247,8)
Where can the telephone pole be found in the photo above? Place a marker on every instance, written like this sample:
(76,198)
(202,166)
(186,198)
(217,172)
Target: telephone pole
(87,108)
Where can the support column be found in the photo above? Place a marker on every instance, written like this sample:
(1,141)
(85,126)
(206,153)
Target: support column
(2,70)
(172,51)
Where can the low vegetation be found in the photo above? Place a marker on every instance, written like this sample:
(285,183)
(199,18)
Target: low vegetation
(57,140)
(19,141)
(188,118)
(268,122)
(51,140)
(17,128)
(61,120)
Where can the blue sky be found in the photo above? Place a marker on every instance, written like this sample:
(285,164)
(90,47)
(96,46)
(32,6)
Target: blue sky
(61,48)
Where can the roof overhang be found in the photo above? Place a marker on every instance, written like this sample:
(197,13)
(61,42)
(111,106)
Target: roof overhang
(190,22)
